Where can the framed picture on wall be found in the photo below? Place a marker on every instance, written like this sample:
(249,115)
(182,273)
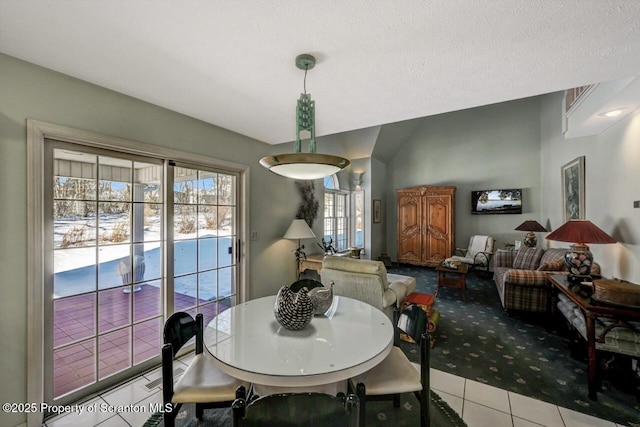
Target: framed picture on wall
(573,189)
(377,210)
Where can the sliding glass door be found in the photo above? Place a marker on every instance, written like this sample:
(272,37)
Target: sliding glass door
(129,240)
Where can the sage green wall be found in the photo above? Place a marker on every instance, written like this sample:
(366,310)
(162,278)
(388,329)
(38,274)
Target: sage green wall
(378,191)
(490,147)
(611,184)
(28,91)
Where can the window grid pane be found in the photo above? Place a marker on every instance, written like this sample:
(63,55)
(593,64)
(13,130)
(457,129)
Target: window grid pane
(336,219)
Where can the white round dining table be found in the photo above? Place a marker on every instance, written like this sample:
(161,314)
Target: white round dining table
(248,343)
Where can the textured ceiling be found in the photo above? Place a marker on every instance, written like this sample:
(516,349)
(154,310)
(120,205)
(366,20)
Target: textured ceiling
(231,63)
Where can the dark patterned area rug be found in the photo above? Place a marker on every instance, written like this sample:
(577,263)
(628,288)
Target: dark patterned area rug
(480,342)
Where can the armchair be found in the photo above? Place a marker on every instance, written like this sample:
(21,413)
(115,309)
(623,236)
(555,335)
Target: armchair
(477,254)
(366,281)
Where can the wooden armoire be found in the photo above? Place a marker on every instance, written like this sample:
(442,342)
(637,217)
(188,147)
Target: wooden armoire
(426,224)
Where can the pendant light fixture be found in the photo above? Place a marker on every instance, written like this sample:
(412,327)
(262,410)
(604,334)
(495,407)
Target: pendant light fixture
(301,165)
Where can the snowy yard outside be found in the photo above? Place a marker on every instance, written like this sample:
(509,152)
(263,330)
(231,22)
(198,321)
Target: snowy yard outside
(75,267)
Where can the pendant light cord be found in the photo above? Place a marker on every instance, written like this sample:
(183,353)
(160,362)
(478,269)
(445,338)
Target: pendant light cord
(306,68)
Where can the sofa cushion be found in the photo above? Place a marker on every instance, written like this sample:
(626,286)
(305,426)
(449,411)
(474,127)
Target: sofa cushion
(552,255)
(528,258)
(353,265)
(557,265)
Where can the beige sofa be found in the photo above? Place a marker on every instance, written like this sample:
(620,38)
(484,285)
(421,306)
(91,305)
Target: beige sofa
(366,281)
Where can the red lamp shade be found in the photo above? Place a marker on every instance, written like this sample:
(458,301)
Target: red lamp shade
(580,231)
(579,258)
(531,226)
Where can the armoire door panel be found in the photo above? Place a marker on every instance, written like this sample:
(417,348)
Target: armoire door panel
(409,228)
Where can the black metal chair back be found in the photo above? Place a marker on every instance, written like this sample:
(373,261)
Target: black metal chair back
(180,327)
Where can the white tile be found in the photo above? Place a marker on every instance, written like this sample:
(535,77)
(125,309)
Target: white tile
(535,410)
(145,410)
(453,401)
(577,419)
(449,383)
(481,416)
(91,415)
(519,422)
(131,392)
(487,395)
(115,421)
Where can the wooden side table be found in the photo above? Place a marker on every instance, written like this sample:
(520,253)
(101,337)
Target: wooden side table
(592,310)
(452,278)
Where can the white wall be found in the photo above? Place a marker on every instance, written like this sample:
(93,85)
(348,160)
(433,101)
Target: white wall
(490,147)
(32,92)
(611,184)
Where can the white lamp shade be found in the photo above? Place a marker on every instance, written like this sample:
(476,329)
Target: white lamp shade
(299,230)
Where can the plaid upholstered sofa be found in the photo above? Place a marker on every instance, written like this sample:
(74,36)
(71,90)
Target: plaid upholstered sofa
(521,277)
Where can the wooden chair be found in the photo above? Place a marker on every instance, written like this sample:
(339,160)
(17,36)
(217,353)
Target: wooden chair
(296,409)
(202,383)
(396,375)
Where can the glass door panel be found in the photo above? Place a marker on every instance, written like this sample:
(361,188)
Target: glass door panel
(107,228)
(204,226)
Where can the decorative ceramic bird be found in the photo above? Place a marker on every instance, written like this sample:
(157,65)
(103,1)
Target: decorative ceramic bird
(322,298)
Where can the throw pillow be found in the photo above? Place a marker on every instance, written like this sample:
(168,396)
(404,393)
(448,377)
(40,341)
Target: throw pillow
(557,265)
(527,258)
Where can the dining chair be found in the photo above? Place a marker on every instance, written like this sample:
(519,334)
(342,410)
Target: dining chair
(396,374)
(296,409)
(202,382)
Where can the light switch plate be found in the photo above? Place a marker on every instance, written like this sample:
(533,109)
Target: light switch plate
(636,204)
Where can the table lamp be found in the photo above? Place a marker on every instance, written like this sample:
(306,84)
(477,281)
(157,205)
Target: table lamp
(579,258)
(299,230)
(531,227)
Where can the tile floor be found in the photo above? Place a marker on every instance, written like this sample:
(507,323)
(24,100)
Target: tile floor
(480,405)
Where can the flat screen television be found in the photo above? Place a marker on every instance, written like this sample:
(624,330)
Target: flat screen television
(487,202)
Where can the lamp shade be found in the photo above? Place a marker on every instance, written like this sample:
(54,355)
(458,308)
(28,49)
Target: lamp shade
(299,230)
(531,225)
(580,231)
(579,258)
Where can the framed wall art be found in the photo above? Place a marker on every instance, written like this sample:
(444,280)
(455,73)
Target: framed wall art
(573,189)
(377,211)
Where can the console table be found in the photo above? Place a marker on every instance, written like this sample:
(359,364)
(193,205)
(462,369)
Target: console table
(311,262)
(592,310)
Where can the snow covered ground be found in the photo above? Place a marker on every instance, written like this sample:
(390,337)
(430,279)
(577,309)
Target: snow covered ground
(80,269)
